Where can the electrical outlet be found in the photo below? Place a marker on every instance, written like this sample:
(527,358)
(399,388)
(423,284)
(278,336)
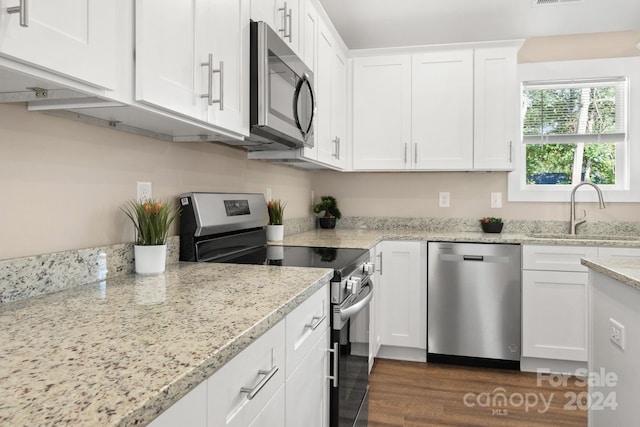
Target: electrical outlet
(144,191)
(443,199)
(616,333)
(268,194)
(496,199)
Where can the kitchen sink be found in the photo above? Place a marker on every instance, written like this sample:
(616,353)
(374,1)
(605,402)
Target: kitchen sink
(556,236)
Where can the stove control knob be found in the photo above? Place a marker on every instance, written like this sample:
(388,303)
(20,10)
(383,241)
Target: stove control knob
(353,285)
(367,268)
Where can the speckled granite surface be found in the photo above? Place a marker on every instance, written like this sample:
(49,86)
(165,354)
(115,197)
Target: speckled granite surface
(367,238)
(121,351)
(624,270)
(27,277)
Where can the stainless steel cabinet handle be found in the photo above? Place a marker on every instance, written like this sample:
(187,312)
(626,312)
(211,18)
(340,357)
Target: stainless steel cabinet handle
(210,73)
(255,390)
(510,151)
(335,148)
(318,319)
(380,263)
(415,153)
(405,153)
(286,16)
(336,355)
(23,10)
(338,148)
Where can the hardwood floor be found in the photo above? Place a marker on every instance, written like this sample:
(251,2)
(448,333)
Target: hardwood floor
(419,394)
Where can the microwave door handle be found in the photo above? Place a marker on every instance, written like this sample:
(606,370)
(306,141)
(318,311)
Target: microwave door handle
(304,80)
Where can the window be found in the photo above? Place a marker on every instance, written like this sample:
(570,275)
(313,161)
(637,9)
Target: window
(578,123)
(573,131)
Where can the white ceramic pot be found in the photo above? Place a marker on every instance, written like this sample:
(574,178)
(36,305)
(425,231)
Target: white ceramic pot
(150,259)
(275,233)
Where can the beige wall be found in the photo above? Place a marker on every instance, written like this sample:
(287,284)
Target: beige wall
(415,194)
(62,182)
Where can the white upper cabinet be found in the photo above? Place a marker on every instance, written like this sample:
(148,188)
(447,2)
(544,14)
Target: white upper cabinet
(199,71)
(72,38)
(496,108)
(331,98)
(442,110)
(436,109)
(381,112)
(283,17)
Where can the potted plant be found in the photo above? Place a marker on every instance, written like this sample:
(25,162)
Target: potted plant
(275,229)
(328,205)
(151,219)
(491,224)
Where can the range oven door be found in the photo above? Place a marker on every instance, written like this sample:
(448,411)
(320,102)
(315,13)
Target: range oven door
(350,343)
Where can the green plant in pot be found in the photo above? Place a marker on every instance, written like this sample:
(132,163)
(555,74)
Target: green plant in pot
(151,219)
(275,229)
(329,206)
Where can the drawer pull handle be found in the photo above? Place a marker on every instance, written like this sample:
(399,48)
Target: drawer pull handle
(252,392)
(23,11)
(314,325)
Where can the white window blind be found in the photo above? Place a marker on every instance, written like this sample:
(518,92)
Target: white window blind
(568,112)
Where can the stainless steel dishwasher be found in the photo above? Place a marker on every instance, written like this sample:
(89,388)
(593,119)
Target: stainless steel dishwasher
(473,302)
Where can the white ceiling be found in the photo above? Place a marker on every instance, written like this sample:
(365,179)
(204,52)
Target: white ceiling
(388,23)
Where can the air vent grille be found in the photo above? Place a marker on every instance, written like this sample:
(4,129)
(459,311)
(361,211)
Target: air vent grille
(535,3)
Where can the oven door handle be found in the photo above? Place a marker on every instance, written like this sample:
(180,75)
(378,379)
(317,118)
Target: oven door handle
(354,309)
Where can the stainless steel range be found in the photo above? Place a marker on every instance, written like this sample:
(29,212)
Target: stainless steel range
(230,227)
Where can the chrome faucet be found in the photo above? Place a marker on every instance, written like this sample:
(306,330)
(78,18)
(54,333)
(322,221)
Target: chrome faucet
(574,221)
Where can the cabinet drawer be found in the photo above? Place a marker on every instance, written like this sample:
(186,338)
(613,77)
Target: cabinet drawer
(228,405)
(618,253)
(305,325)
(556,258)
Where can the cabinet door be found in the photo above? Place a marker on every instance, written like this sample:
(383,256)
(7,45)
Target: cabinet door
(403,299)
(228,42)
(307,388)
(325,141)
(381,112)
(554,315)
(190,411)
(496,103)
(374,321)
(168,63)
(332,149)
(75,38)
(442,110)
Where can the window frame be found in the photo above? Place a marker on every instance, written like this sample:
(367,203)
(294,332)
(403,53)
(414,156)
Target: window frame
(627,153)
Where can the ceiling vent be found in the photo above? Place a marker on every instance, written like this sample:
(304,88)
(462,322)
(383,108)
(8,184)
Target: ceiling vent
(535,3)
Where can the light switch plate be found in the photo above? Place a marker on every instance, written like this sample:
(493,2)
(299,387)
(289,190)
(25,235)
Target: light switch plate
(144,191)
(443,199)
(496,200)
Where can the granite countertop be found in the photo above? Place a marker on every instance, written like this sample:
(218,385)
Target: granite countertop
(365,238)
(121,351)
(624,270)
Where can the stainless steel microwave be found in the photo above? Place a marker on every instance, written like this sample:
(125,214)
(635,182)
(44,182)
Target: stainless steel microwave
(282,97)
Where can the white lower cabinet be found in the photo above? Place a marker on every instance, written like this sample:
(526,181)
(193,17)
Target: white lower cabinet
(555,302)
(403,300)
(555,315)
(307,392)
(280,379)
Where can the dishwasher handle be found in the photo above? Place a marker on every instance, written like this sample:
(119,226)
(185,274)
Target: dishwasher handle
(473,257)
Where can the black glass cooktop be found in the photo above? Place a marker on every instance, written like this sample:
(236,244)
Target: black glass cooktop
(342,260)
